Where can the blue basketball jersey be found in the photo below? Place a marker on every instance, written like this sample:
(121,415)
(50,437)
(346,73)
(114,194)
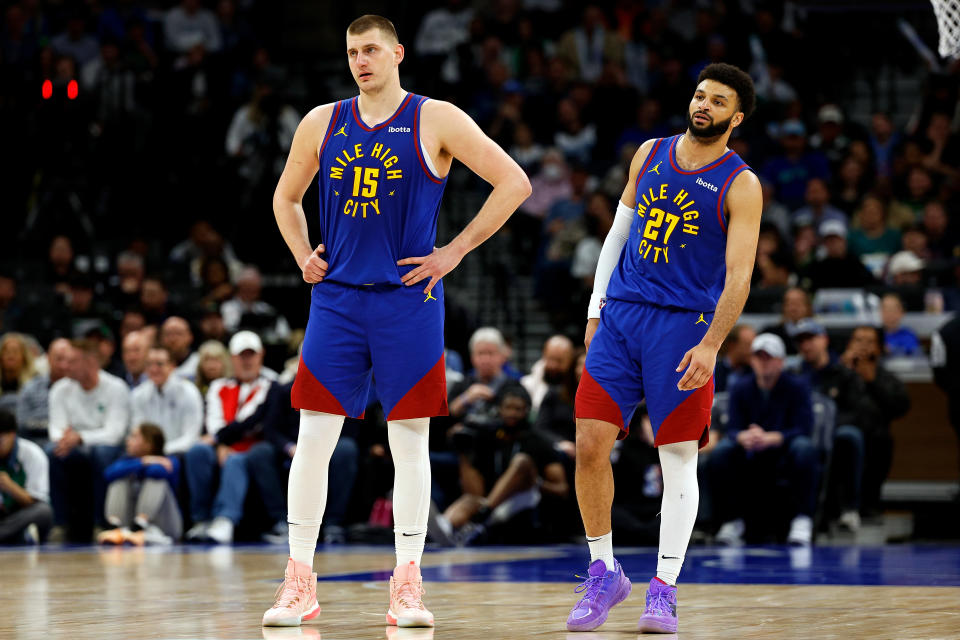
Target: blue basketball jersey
(676,253)
(378,199)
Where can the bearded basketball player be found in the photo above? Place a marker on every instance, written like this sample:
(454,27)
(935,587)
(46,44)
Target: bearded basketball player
(377,299)
(672,279)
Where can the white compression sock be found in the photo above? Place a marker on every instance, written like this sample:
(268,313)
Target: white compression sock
(409,444)
(678,511)
(307,488)
(601,548)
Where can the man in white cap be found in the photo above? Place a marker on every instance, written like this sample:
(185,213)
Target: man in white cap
(233,424)
(768,439)
(838,268)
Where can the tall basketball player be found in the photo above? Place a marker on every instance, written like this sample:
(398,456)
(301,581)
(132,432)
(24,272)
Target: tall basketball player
(672,279)
(377,299)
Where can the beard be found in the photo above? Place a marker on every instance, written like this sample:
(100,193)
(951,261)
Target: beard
(706,132)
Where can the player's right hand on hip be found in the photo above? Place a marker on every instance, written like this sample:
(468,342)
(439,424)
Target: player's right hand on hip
(592,325)
(314,267)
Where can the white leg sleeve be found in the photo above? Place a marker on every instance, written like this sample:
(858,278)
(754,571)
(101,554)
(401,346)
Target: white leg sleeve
(409,444)
(307,488)
(678,512)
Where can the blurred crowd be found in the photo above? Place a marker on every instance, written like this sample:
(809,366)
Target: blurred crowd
(145,377)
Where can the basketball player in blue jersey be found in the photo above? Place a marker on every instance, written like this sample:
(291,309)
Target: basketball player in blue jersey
(672,279)
(377,297)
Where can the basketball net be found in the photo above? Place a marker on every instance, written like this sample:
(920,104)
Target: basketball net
(948,23)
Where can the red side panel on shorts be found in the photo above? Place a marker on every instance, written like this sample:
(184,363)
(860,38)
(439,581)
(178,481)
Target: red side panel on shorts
(309,393)
(425,399)
(690,420)
(594,403)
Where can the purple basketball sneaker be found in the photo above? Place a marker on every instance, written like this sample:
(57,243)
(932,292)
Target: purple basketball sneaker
(603,589)
(660,615)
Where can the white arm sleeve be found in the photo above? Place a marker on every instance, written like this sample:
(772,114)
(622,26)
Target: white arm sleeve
(609,256)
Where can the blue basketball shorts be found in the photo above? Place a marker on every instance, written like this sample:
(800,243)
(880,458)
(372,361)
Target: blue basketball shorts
(390,335)
(634,355)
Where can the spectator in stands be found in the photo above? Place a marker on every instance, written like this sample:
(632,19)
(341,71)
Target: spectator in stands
(234,422)
(175,335)
(905,273)
(33,413)
(25,513)
(550,185)
(213,363)
(838,268)
(211,325)
(75,42)
(553,368)
(767,439)
(598,219)
(134,349)
(525,149)
(586,47)
(829,138)
(217,286)
(885,400)
(155,300)
(503,463)
(796,307)
(824,373)
(129,280)
(189,24)
(873,235)
(918,193)
(480,386)
(168,401)
(734,364)
(16,369)
(141,504)
(818,208)
(247,311)
(945,360)
(792,170)
(850,185)
(89,416)
(884,140)
(84,311)
(10,310)
(941,239)
(900,340)
(132,320)
(203,243)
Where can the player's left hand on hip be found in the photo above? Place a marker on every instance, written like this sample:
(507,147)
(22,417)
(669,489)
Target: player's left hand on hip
(699,363)
(434,266)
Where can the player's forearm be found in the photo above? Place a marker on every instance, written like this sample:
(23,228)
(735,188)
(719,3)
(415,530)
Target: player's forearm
(293,227)
(731,302)
(506,196)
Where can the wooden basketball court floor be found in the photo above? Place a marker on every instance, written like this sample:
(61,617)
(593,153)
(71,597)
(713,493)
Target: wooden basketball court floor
(75,593)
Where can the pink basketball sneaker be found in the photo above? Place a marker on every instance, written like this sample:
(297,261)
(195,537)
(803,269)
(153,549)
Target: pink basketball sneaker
(296,599)
(406,598)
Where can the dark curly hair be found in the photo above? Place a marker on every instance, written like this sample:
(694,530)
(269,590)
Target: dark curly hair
(735,78)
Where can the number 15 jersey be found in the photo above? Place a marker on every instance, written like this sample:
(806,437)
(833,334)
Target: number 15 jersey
(676,253)
(379,196)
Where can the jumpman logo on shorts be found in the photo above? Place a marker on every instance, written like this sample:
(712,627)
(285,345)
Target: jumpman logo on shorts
(655,169)
(429,296)
(343,132)
(701,320)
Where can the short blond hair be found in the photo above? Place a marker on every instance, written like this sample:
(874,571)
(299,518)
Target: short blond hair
(28,370)
(367,22)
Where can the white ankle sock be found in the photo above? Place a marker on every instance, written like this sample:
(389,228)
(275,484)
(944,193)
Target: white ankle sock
(602,549)
(409,444)
(678,511)
(307,487)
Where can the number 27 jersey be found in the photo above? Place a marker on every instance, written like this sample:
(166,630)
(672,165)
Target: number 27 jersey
(675,255)
(379,196)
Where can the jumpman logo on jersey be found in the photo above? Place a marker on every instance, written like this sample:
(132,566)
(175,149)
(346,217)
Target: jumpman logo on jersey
(429,296)
(655,169)
(343,132)
(701,320)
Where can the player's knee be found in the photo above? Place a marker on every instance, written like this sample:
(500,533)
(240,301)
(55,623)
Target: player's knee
(590,451)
